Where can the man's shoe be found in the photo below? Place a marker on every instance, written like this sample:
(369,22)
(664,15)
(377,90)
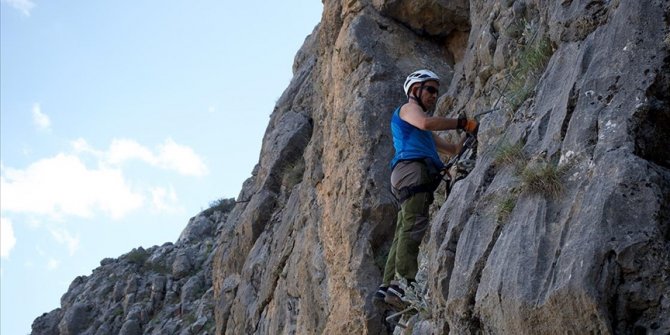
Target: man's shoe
(379,298)
(395,296)
(381,293)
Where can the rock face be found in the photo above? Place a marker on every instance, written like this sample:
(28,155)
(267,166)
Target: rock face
(160,290)
(585,87)
(563,226)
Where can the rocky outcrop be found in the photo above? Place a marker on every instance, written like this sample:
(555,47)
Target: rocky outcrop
(582,87)
(161,290)
(563,225)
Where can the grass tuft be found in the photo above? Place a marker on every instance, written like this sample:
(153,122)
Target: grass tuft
(530,64)
(511,155)
(543,179)
(505,207)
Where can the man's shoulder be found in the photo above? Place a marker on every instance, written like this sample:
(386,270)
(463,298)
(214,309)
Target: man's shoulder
(409,108)
(411,105)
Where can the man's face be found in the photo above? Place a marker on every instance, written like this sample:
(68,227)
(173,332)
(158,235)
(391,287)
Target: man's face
(429,93)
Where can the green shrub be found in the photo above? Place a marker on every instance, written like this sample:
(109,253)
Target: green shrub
(137,256)
(223,204)
(293,174)
(417,300)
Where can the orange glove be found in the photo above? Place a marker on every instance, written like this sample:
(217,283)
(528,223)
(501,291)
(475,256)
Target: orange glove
(469,125)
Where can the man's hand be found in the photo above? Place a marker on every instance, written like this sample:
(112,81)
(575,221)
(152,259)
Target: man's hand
(469,125)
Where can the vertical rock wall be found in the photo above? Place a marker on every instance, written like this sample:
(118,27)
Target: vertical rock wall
(594,258)
(308,239)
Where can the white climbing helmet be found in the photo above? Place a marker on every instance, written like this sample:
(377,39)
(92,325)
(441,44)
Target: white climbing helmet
(419,77)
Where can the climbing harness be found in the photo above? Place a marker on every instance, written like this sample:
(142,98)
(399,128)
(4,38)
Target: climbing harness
(429,187)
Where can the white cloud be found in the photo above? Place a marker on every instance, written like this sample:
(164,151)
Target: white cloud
(164,200)
(81,146)
(63,236)
(169,155)
(41,120)
(181,158)
(7,239)
(122,150)
(63,185)
(24,6)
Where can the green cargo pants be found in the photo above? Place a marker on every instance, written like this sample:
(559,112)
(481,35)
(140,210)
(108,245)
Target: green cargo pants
(411,224)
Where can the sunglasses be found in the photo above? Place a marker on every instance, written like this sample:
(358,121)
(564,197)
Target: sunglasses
(431,89)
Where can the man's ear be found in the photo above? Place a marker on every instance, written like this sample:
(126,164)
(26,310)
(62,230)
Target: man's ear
(412,90)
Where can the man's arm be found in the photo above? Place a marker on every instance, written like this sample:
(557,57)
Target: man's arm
(413,115)
(445,147)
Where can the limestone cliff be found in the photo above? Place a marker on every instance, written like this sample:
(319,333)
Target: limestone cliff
(585,96)
(563,226)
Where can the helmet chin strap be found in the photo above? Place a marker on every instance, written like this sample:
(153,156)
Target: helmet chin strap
(418,99)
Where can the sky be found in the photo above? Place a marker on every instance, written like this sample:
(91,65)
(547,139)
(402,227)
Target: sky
(121,120)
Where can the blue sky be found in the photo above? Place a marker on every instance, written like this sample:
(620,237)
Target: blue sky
(120,120)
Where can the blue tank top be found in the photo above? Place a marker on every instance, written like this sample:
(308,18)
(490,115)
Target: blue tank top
(412,143)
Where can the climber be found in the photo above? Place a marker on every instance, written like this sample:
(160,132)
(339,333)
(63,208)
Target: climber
(416,173)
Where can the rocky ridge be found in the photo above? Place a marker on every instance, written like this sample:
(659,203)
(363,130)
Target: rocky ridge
(160,290)
(563,226)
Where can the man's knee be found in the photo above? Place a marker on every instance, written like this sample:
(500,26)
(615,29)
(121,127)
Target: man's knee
(418,230)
